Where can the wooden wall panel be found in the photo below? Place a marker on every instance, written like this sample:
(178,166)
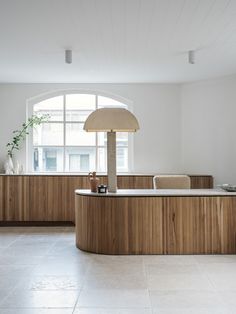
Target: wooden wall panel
(51,197)
(69,185)
(201,182)
(2,198)
(16,198)
(143,182)
(38,194)
(125,182)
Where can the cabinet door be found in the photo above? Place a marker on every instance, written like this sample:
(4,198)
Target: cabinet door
(52,198)
(125,182)
(38,198)
(201,182)
(143,182)
(2,198)
(16,198)
(70,184)
(61,197)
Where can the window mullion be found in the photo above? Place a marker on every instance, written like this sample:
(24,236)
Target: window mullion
(64,133)
(96,137)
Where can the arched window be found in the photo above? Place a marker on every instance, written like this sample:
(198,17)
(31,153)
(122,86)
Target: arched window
(61,144)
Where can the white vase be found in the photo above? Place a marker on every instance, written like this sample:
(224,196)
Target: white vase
(16,167)
(8,166)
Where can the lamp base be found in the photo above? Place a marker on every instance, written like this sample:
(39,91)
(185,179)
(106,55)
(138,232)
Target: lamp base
(111,162)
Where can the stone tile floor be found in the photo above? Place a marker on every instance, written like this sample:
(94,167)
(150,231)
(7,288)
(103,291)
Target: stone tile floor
(41,271)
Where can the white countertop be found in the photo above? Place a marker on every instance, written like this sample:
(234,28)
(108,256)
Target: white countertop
(77,174)
(160,192)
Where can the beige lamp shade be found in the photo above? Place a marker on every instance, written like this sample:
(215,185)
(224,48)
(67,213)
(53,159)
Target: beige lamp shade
(111,120)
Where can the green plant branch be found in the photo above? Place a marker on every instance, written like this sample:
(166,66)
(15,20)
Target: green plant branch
(20,135)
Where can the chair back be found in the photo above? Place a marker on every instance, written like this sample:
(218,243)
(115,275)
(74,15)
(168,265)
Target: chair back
(171,182)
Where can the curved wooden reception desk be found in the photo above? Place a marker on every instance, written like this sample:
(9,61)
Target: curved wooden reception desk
(156,222)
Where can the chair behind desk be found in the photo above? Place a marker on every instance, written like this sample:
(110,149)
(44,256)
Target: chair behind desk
(171,182)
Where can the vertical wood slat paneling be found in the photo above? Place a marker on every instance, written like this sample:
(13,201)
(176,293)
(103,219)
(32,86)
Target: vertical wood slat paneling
(201,182)
(156,225)
(38,194)
(2,198)
(119,225)
(16,198)
(51,198)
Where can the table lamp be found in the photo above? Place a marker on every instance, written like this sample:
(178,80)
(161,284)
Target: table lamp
(111,120)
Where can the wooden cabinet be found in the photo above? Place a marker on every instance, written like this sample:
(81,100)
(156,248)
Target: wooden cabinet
(2,198)
(16,198)
(50,198)
(201,182)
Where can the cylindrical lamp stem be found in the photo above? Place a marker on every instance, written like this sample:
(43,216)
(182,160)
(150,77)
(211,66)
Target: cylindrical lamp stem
(111,161)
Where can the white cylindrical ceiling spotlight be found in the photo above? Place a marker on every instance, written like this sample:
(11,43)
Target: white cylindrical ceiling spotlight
(68,56)
(191,56)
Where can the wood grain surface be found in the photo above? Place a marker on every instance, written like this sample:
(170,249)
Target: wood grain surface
(156,225)
(51,198)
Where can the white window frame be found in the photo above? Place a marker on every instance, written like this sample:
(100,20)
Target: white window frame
(29,112)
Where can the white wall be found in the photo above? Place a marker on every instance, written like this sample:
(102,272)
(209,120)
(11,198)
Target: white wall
(157,107)
(209,128)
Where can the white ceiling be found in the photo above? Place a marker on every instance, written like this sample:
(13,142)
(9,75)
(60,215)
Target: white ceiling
(116,40)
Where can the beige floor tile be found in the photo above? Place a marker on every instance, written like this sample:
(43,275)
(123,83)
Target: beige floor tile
(114,298)
(229,298)
(215,258)
(117,268)
(33,250)
(168,269)
(185,299)
(10,282)
(169,259)
(16,271)
(80,258)
(192,311)
(61,269)
(113,281)
(219,268)
(44,283)
(40,299)
(112,311)
(6,240)
(167,282)
(19,260)
(223,281)
(4,293)
(117,259)
(37,311)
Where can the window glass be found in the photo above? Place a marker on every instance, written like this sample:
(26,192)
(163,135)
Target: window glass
(122,159)
(48,159)
(75,135)
(61,144)
(80,102)
(77,115)
(80,159)
(52,106)
(121,139)
(48,134)
(102,159)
